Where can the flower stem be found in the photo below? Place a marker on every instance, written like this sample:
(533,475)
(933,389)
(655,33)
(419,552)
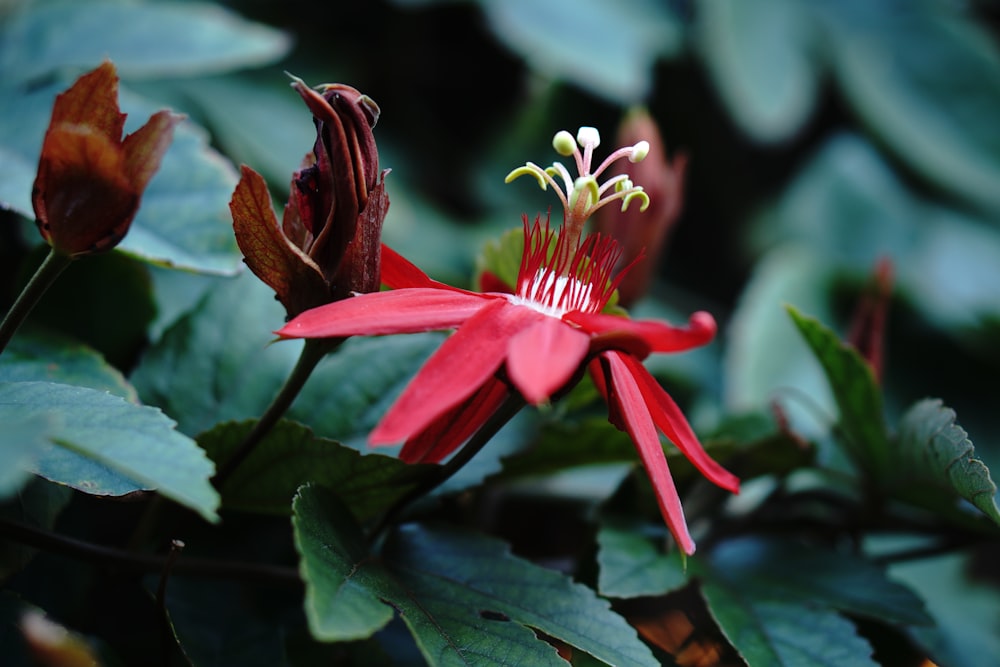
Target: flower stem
(53,265)
(312,352)
(510,407)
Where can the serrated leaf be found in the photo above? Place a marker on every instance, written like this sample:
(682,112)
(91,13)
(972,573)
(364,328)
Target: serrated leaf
(291,455)
(144,39)
(556,39)
(103,445)
(932,449)
(49,357)
(858,397)
(759,56)
(779,603)
(464,597)
(632,561)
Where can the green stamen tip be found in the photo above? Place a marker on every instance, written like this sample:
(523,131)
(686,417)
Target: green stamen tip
(527,170)
(637,193)
(563,143)
(587,186)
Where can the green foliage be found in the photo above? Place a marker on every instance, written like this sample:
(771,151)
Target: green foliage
(464,597)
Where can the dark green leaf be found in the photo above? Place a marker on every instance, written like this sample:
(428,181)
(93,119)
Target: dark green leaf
(858,396)
(931,450)
(759,56)
(465,598)
(20,441)
(290,455)
(556,38)
(143,39)
(48,357)
(936,105)
(103,445)
(632,560)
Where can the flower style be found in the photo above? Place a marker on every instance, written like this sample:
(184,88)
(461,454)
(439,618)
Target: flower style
(89,179)
(327,245)
(536,339)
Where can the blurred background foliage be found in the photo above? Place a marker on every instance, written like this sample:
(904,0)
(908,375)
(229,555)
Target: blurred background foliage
(822,135)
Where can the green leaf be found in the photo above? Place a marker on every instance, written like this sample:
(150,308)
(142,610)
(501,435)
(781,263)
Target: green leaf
(759,55)
(464,597)
(632,561)
(290,455)
(50,357)
(936,106)
(556,38)
(778,601)
(931,450)
(103,445)
(858,397)
(20,441)
(155,39)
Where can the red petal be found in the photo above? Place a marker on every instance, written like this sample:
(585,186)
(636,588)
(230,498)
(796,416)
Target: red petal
(544,356)
(456,426)
(671,421)
(660,336)
(628,398)
(398,311)
(399,272)
(463,364)
(92,101)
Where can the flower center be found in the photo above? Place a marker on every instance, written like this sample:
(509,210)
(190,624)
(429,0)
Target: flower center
(554,295)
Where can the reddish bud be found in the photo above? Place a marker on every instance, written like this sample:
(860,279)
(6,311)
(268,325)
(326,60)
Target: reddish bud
(643,234)
(867,333)
(328,243)
(90,180)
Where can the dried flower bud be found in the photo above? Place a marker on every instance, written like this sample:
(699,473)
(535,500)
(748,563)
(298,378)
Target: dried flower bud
(867,333)
(90,180)
(663,181)
(328,244)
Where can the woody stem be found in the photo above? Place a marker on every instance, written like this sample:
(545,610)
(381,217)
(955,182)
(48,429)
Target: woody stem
(50,269)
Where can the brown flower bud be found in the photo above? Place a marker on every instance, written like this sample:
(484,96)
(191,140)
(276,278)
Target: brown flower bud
(868,325)
(90,180)
(644,233)
(328,243)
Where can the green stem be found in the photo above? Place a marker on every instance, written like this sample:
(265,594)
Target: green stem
(312,352)
(53,265)
(510,407)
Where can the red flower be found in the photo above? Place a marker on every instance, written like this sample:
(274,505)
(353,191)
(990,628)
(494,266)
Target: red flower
(90,180)
(536,340)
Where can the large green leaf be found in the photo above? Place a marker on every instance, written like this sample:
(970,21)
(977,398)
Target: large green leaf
(464,597)
(859,398)
(632,560)
(290,455)
(104,445)
(759,55)
(143,39)
(936,100)
(557,39)
(49,357)
(777,601)
(931,450)
(20,441)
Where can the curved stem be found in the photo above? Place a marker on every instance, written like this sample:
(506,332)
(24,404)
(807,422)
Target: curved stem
(510,407)
(312,352)
(53,265)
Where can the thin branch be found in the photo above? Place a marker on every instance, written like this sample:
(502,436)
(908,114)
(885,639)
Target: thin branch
(260,573)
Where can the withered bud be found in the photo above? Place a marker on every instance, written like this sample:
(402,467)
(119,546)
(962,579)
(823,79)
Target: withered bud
(868,325)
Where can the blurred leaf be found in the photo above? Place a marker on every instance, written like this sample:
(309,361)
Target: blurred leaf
(608,48)
(760,57)
(926,77)
(632,561)
(290,455)
(104,445)
(37,504)
(464,597)
(777,601)
(49,357)
(198,371)
(766,358)
(153,39)
(859,398)
(183,220)
(932,450)
(20,441)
